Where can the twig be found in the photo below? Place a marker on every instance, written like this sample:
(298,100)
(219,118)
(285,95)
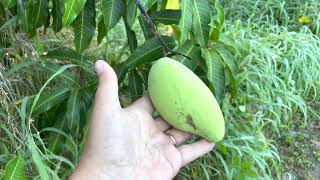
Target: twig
(169,52)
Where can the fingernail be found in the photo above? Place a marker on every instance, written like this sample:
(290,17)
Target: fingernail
(100,66)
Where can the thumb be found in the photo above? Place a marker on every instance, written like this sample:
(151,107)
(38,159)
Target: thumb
(107,93)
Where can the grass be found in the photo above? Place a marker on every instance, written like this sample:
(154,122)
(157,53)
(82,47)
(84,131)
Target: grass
(272,123)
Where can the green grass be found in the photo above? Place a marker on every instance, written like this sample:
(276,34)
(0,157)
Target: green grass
(278,80)
(272,123)
(262,13)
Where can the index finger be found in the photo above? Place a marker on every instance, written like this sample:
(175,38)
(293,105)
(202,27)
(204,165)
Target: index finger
(144,103)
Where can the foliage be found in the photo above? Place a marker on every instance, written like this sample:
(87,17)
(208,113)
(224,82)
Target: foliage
(69,91)
(285,13)
(15,169)
(263,69)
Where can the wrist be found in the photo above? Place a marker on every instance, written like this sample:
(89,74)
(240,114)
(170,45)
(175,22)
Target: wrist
(108,172)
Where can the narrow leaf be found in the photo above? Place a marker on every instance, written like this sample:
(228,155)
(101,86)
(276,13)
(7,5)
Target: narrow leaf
(201,21)
(215,34)
(166,17)
(150,51)
(72,9)
(57,13)
(41,167)
(84,26)
(230,63)
(135,85)
(40,13)
(112,11)
(133,12)
(131,37)
(192,51)
(71,56)
(49,99)
(68,54)
(23,12)
(229,43)
(56,140)
(164,4)
(51,68)
(73,109)
(9,3)
(102,32)
(3,18)
(220,14)
(145,28)
(185,23)
(14,169)
(215,72)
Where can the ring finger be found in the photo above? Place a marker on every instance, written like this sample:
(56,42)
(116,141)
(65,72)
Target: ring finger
(179,136)
(161,124)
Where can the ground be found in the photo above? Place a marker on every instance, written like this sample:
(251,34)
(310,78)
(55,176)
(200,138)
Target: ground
(299,149)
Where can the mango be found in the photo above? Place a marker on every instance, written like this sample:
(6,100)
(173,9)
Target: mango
(184,101)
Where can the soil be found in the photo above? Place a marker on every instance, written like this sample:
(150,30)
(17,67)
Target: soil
(300,152)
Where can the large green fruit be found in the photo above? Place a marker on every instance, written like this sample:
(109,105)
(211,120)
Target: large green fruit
(183,100)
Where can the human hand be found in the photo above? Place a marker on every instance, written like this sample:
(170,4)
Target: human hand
(128,143)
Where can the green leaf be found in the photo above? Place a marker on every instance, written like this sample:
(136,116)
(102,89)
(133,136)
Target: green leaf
(150,51)
(40,13)
(201,21)
(41,167)
(36,98)
(21,66)
(2,52)
(23,17)
(49,99)
(70,55)
(131,37)
(57,13)
(192,51)
(145,28)
(52,68)
(166,17)
(56,140)
(14,169)
(10,22)
(164,4)
(133,12)
(84,26)
(56,137)
(3,18)
(215,72)
(102,32)
(73,109)
(9,3)
(229,43)
(230,63)
(185,23)
(135,85)
(220,14)
(72,9)
(112,11)
(65,53)
(215,34)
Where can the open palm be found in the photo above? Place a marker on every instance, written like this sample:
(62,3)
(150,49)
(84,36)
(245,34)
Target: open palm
(128,143)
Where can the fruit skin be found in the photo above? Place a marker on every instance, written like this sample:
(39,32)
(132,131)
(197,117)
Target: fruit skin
(183,100)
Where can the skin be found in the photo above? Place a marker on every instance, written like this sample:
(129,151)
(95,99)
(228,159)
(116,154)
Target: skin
(128,143)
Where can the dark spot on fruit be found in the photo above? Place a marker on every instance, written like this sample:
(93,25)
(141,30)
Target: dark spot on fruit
(190,122)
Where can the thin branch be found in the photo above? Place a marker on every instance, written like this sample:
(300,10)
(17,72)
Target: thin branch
(168,51)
